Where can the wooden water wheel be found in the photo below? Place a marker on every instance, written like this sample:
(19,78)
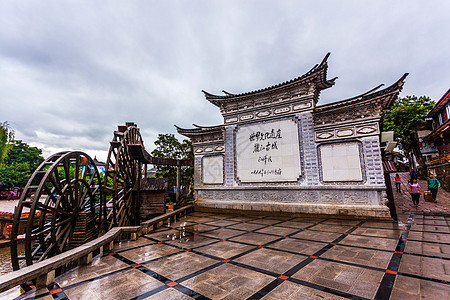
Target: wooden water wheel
(122,177)
(59,209)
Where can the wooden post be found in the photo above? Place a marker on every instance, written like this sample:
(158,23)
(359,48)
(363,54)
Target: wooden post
(178,181)
(46,279)
(87,259)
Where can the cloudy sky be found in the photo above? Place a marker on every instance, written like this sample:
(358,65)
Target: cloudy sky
(71,71)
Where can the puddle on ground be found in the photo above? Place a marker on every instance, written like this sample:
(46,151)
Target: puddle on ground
(184,234)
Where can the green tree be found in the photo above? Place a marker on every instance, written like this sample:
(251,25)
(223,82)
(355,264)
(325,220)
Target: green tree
(405,115)
(168,146)
(19,164)
(6,136)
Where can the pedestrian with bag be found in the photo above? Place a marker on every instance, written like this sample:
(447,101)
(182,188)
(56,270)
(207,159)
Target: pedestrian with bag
(398,183)
(414,191)
(433,185)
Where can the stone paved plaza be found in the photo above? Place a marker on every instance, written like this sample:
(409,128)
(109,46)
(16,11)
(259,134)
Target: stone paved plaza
(212,256)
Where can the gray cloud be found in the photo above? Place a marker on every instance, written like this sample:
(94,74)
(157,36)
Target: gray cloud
(73,70)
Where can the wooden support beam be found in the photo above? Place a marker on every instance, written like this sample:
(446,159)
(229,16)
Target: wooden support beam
(87,259)
(178,182)
(45,279)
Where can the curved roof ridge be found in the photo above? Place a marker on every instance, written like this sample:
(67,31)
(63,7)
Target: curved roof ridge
(227,93)
(373,90)
(371,93)
(208,127)
(315,68)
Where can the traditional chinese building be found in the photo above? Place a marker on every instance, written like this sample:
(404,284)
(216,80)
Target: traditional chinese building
(279,151)
(439,138)
(440,125)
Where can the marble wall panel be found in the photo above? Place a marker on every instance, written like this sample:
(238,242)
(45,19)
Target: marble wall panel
(212,167)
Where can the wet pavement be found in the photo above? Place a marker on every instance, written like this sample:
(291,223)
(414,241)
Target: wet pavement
(404,203)
(213,256)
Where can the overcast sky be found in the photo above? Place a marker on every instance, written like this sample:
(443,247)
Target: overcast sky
(71,71)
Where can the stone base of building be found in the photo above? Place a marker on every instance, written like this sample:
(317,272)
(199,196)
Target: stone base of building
(253,208)
(361,203)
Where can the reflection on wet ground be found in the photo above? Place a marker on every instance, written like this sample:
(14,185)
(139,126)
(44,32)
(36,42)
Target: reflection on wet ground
(216,256)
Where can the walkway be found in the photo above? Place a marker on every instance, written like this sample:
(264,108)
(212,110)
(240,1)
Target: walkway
(404,203)
(236,257)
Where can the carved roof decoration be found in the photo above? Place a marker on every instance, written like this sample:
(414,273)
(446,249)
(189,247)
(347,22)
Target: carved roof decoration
(364,107)
(440,104)
(200,130)
(385,97)
(317,75)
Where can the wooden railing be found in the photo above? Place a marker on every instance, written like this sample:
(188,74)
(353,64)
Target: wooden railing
(44,272)
(440,160)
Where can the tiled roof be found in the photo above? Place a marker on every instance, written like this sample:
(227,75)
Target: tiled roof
(441,103)
(319,71)
(199,130)
(390,94)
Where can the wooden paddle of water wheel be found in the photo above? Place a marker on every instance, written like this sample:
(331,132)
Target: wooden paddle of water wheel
(59,209)
(122,180)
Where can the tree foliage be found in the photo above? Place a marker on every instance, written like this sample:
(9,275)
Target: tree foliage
(405,115)
(19,164)
(168,146)
(6,136)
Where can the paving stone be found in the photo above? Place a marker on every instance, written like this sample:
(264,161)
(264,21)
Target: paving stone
(191,241)
(298,246)
(289,290)
(376,243)
(169,293)
(265,221)
(180,265)
(147,253)
(228,281)
(224,249)
(342,277)
(195,257)
(331,228)
(281,231)
(327,237)
(295,225)
(222,233)
(127,284)
(373,258)
(425,266)
(255,238)
(246,226)
(271,260)
(98,267)
(378,232)
(432,249)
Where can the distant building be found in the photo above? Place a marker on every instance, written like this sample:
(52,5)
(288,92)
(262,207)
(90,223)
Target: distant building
(439,138)
(440,125)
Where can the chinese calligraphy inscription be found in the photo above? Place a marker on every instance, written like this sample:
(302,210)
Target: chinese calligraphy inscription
(268,152)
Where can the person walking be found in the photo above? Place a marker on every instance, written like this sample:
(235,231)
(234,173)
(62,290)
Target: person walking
(414,190)
(433,185)
(398,183)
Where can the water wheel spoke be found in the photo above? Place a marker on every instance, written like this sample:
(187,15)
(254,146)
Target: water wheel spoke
(47,209)
(54,243)
(68,180)
(36,250)
(77,176)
